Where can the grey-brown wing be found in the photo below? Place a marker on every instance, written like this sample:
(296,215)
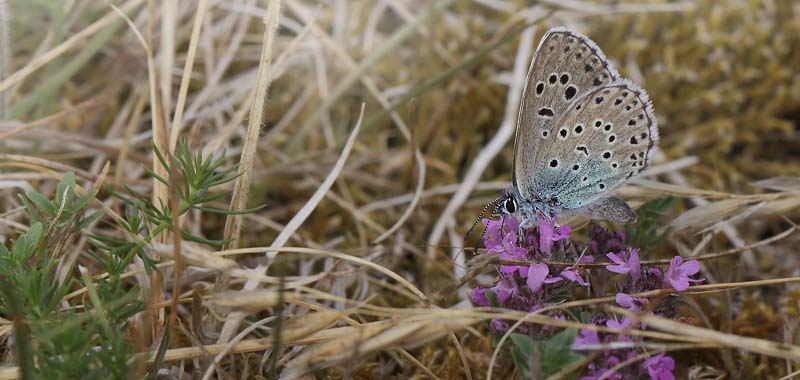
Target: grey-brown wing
(565,67)
(607,138)
(606,208)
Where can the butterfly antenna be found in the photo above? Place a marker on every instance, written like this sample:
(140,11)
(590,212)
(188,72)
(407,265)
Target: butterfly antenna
(483,212)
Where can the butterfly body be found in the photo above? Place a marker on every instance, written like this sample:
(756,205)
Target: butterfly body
(582,131)
(526,210)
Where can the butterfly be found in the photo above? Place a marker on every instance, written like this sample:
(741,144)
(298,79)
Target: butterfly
(582,131)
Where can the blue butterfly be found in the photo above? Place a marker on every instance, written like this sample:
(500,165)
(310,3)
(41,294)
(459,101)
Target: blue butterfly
(582,131)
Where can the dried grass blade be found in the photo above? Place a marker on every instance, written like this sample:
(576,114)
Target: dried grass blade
(401,333)
(69,43)
(311,323)
(761,346)
(780,206)
(169,19)
(332,350)
(241,188)
(5,57)
(734,219)
(40,163)
(187,75)
(390,45)
(64,73)
(233,323)
(372,87)
(249,302)
(497,143)
(703,216)
(779,183)
(666,189)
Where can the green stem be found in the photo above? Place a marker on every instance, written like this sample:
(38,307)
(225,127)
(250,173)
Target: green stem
(22,333)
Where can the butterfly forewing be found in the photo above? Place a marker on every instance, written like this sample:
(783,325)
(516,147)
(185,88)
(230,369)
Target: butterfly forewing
(565,67)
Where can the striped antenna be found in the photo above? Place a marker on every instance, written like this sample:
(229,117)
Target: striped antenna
(493,204)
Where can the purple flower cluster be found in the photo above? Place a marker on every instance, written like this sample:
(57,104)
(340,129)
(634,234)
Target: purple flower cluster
(529,288)
(626,263)
(520,287)
(657,367)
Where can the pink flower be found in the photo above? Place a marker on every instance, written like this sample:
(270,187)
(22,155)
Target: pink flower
(509,250)
(677,275)
(549,233)
(585,337)
(660,367)
(497,230)
(479,298)
(502,239)
(626,262)
(625,324)
(498,325)
(620,266)
(630,303)
(504,289)
(573,275)
(492,236)
(537,276)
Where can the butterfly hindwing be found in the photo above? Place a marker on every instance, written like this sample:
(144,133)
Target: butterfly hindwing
(605,139)
(606,208)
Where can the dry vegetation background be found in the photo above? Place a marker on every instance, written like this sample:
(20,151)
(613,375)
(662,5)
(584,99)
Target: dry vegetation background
(373,132)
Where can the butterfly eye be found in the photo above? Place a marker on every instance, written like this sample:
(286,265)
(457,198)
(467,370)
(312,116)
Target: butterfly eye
(510,205)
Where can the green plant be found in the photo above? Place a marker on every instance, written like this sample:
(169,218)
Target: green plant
(88,338)
(536,357)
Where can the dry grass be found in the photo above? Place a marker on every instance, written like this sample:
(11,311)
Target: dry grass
(373,133)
